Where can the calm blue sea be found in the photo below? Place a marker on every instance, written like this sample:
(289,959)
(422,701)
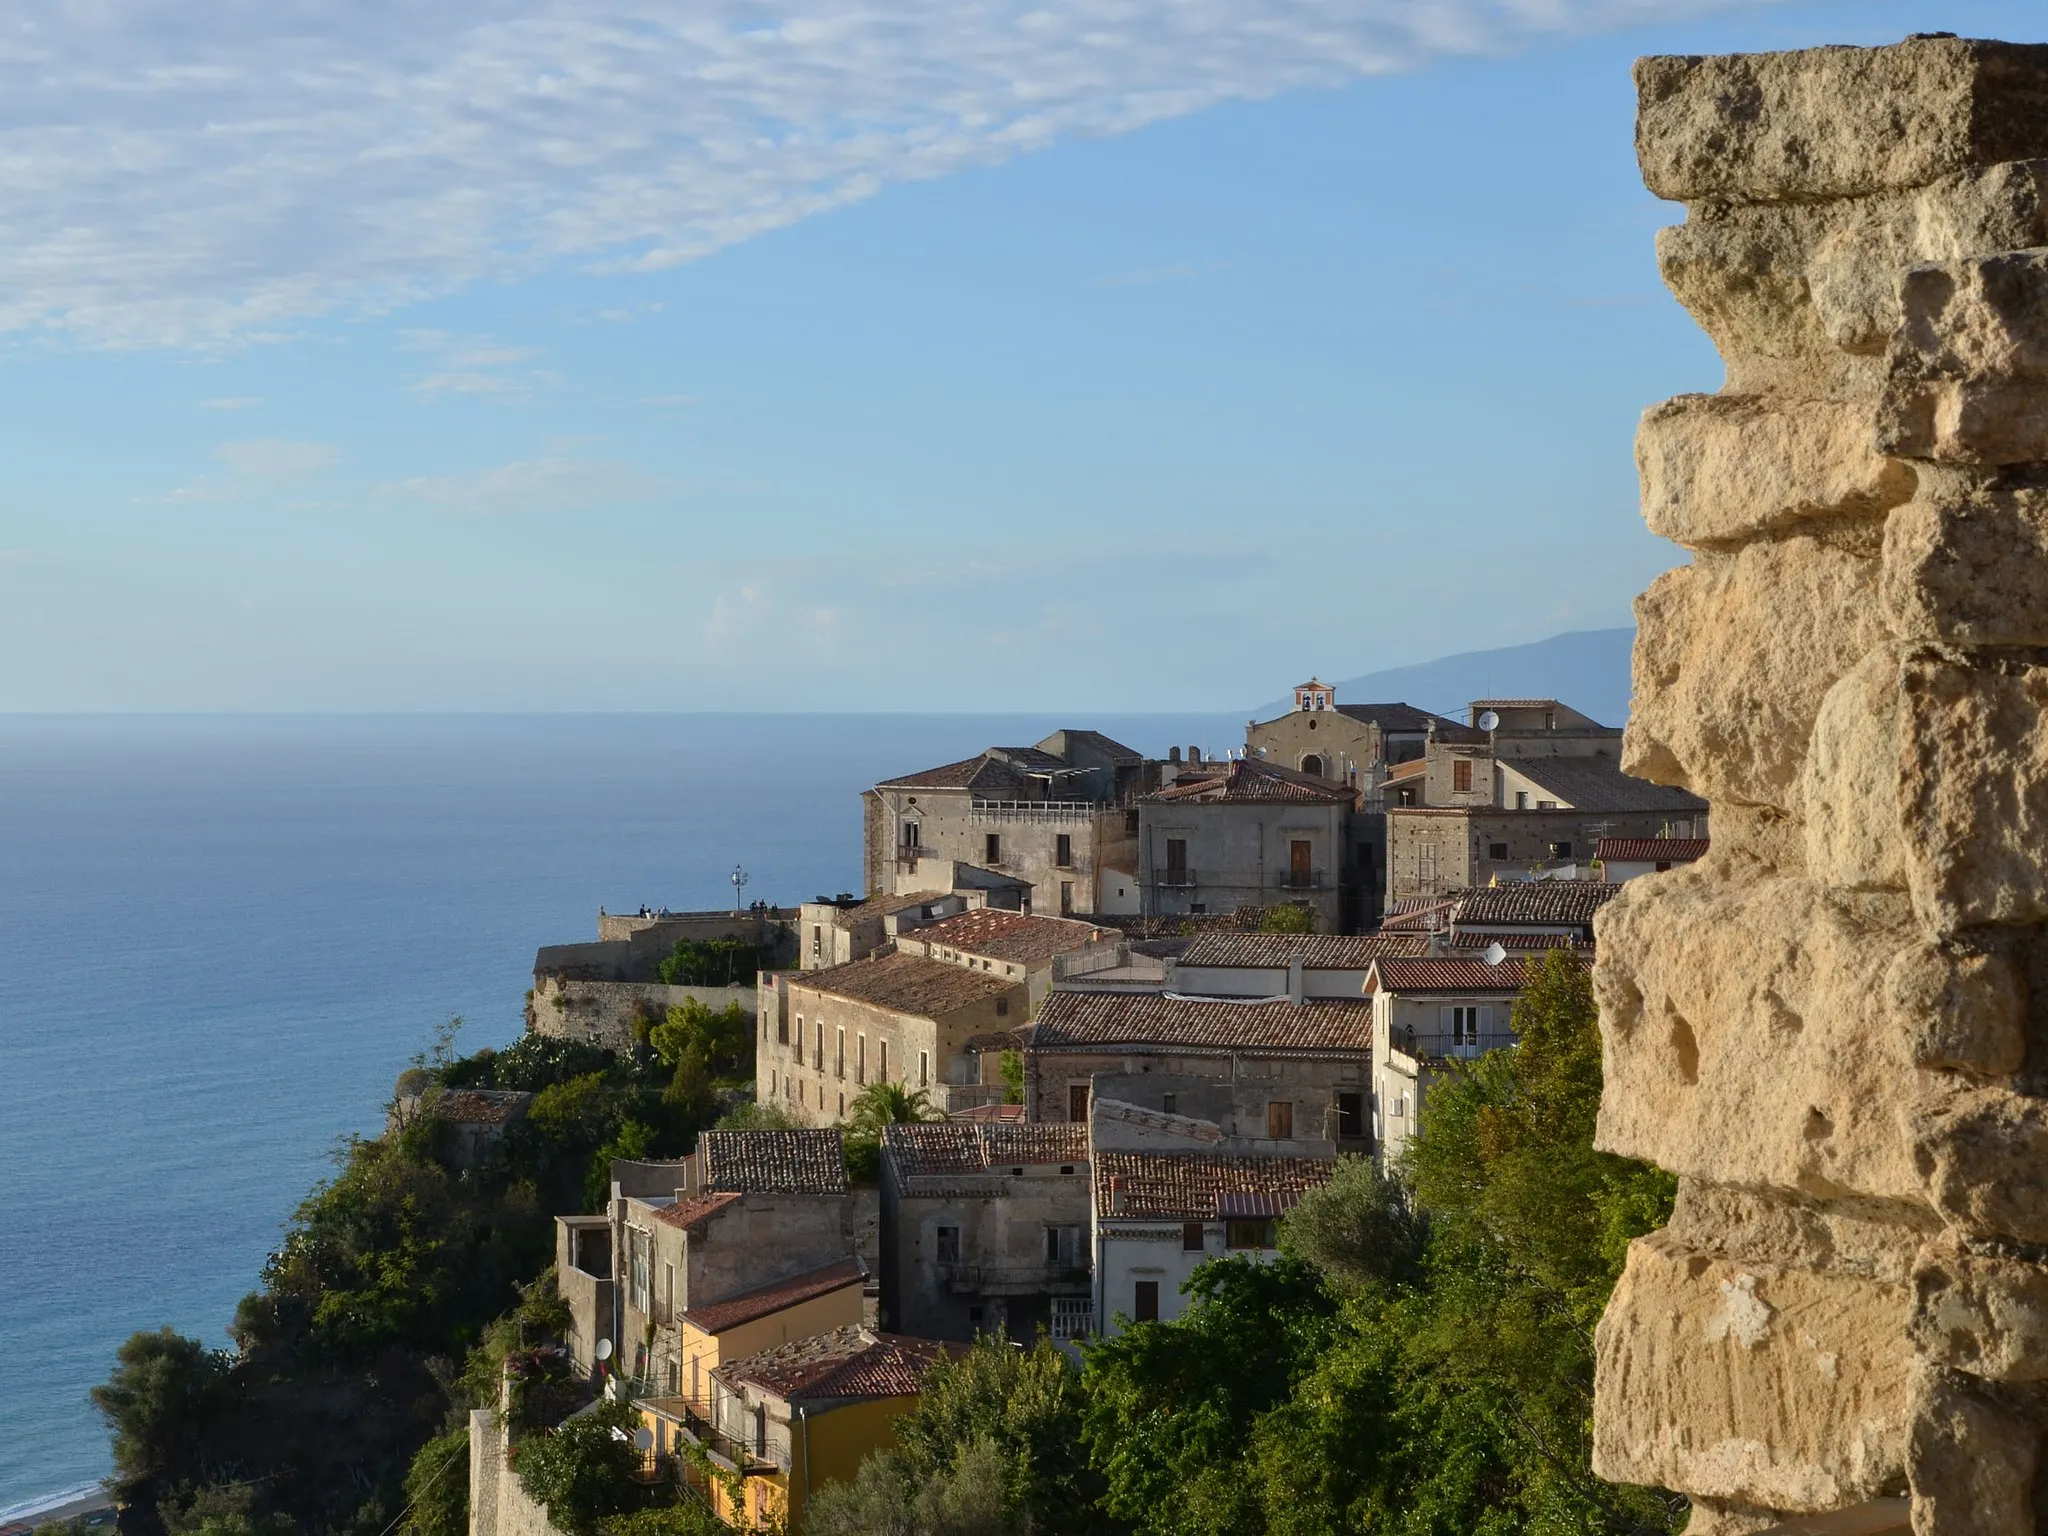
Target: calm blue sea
(221,938)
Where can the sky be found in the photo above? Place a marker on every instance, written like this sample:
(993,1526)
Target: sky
(828,354)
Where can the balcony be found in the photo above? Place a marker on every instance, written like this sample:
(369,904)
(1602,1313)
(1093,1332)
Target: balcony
(1448,1045)
(989,813)
(1009,1279)
(1299,880)
(1178,877)
(740,1452)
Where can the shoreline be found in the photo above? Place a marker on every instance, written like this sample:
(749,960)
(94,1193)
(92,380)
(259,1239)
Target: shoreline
(66,1504)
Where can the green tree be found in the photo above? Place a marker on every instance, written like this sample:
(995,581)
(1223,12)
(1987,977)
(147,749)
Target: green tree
(221,1509)
(1289,917)
(876,1106)
(725,1038)
(754,1116)
(583,1471)
(437,1487)
(164,1405)
(890,1496)
(686,1517)
(1359,1229)
(1012,1065)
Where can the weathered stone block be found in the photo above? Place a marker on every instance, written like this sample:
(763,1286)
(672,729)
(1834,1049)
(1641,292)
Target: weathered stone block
(1769,1386)
(1962,1010)
(1834,122)
(1973,792)
(1757,1005)
(1971,1462)
(1968,368)
(1849,787)
(1722,468)
(1771,1226)
(1970,569)
(1983,1156)
(1733,656)
(1981,1314)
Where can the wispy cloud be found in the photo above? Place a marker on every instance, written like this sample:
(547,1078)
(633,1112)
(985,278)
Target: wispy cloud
(543,485)
(202,176)
(231,403)
(472,365)
(258,465)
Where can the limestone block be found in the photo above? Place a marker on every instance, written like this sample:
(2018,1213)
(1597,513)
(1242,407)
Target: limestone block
(1833,122)
(1985,1315)
(1967,374)
(1969,568)
(1849,787)
(1772,1226)
(1971,1461)
(1757,1005)
(1721,468)
(1962,1010)
(1973,792)
(1984,1157)
(1726,1517)
(1733,656)
(1770,1386)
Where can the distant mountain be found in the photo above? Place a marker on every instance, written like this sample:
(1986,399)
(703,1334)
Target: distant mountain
(1587,669)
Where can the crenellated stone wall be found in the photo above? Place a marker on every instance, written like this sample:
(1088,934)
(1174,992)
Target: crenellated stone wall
(1834,1029)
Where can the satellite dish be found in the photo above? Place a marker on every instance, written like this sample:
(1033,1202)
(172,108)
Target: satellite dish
(643,1439)
(1489,721)
(1494,953)
(603,1350)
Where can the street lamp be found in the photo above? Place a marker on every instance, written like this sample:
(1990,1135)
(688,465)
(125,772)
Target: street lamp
(738,878)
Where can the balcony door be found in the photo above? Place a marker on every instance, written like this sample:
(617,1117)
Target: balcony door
(1298,864)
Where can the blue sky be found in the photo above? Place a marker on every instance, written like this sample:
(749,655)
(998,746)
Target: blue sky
(829,355)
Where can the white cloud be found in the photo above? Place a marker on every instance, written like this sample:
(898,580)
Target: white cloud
(277,458)
(541,485)
(472,365)
(231,403)
(183,175)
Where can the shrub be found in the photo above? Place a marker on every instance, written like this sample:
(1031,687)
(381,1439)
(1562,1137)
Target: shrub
(583,1471)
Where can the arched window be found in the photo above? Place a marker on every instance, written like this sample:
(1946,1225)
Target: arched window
(1313,763)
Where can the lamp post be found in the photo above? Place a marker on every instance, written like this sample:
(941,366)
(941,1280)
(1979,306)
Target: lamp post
(738,878)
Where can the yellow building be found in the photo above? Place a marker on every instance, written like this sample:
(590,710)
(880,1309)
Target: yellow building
(790,1419)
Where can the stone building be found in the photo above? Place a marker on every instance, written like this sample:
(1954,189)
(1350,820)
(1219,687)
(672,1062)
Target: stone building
(1155,1217)
(893,1017)
(1830,1028)
(1060,815)
(833,933)
(1346,743)
(1296,1072)
(1526,914)
(747,1209)
(1270,965)
(1016,946)
(1623,858)
(597,992)
(985,1230)
(1244,833)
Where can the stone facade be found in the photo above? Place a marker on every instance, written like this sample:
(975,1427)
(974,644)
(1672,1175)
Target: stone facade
(1850,1301)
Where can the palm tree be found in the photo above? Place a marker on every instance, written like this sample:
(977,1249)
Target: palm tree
(877,1105)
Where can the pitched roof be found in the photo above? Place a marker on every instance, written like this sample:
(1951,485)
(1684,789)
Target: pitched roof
(1598,784)
(693,1211)
(1087,1021)
(966,1147)
(1274,951)
(1405,718)
(882,906)
(768,1299)
(1018,936)
(1194,1186)
(793,1162)
(981,772)
(851,1362)
(1109,746)
(1562,902)
(906,983)
(1431,974)
(1247,780)
(1033,759)
(1651,850)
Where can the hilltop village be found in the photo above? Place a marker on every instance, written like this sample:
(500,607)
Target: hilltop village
(1115,1015)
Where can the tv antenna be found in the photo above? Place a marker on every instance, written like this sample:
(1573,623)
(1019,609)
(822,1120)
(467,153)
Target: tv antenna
(738,877)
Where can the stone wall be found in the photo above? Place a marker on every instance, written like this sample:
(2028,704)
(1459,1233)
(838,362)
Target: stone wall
(1827,1028)
(603,1012)
(499,1504)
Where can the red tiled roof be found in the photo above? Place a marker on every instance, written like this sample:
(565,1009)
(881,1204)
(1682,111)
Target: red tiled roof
(852,1362)
(691,1213)
(762,1302)
(792,1162)
(1559,902)
(1249,781)
(1018,936)
(1417,915)
(1089,1021)
(1651,850)
(989,1113)
(907,984)
(1440,975)
(1274,951)
(1193,1187)
(978,772)
(1413,769)
(965,1147)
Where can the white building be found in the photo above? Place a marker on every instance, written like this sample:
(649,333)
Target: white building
(1427,1012)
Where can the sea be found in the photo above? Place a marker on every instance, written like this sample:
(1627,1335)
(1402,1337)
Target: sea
(223,937)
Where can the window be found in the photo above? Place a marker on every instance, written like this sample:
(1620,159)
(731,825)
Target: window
(1063,850)
(840,1061)
(1313,763)
(1170,1103)
(1350,1114)
(799,1037)
(771,1082)
(1066,898)
(1521,799)
(1130,823)
(761,1430)
(860,1058)
(1077,1102)
(1549,720)
(639,1268)
(1561,849)
(1467,1023)
(1177,861)
(800,1093)
(995,847)
(1300,875)
(883,1074)
(1192,1237)
(1497,851)
(1546,805)
(1280,1120)
(949,1245)
(1063,1247)
(668,1287)
(1002,1007)
(1248,1234)
(817,941)
(910,837)
(924,1073)
(842,1106)
(1461,774)
(1145,1302)
(818,1048)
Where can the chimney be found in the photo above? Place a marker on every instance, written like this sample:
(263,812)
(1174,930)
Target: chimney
(693,1176)
(1194,754)
(1116,1194)
(1295,992)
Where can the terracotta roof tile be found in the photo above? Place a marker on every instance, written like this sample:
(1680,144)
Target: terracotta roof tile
(769,1299)
(1598,784)
(906,983)
(1014,936)
(1089,1021)
(852,1362)
(882,906)
(1433,975)
(964,1147)
(1559,902)
(794,1162)
(1318,951)
(691,1213)
(1246,780)
(1651,850)
(1152,1186)
(981,772)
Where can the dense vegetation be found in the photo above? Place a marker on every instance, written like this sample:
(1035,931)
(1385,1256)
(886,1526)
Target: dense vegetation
(402,1285)
(1419,1363)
